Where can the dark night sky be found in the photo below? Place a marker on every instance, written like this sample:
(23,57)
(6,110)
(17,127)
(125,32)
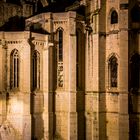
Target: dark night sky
(54,5)
(16,1)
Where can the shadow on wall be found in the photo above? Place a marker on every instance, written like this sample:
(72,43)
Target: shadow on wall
(37,28)
(134,95)
(16,23)
(37,122)
(58,137)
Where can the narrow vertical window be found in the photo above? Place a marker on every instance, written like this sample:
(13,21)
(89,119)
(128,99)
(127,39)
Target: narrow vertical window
(114,17)
(60,52)
(14,75)
(113,71)
(36,70)
(60,80)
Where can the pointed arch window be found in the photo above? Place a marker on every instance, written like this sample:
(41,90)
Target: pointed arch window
(60,75)
(114,17)
(14,73)
(113,71)
(36,70)
(60,45)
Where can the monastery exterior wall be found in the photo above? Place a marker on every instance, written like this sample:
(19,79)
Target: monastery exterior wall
(74,79)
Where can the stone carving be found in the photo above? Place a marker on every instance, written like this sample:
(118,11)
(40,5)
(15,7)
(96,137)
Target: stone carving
(60,21)
(60,74)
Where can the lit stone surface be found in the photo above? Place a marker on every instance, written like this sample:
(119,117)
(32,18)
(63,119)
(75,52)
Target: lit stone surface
(71,88)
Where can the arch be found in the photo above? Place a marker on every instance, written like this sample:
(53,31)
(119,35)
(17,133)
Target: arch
(135,13)
(113,71)
(59,50)
(14,72)
(113,55)
(60,33)
(59,28)
(36,70)
(114,16)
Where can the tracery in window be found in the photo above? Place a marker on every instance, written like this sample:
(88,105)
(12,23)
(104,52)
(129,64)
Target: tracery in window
(60,75)
(60,45)
(113,71)
(14,73)
(114,17)
(36,70)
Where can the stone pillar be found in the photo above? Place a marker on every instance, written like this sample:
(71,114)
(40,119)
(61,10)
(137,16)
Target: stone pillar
(48,115)
(123,75)
(24,96)
(72,117)
(123,86)
(3,79)
(26,123)
(71,73)
(1,63)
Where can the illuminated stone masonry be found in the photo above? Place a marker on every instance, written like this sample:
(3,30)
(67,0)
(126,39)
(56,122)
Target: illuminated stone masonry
(70,74)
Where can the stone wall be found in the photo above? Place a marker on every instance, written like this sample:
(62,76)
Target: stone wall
(91,109)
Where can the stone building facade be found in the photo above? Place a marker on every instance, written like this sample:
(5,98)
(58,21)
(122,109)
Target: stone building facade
(71,74)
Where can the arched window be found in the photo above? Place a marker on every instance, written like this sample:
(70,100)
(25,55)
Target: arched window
(60,81)
(113,71)
(14,73)
(60,45)
(36,70)
(114,17)
(135,13)
(135,71)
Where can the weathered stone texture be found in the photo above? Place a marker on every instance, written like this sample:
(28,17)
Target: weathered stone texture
(92,93)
